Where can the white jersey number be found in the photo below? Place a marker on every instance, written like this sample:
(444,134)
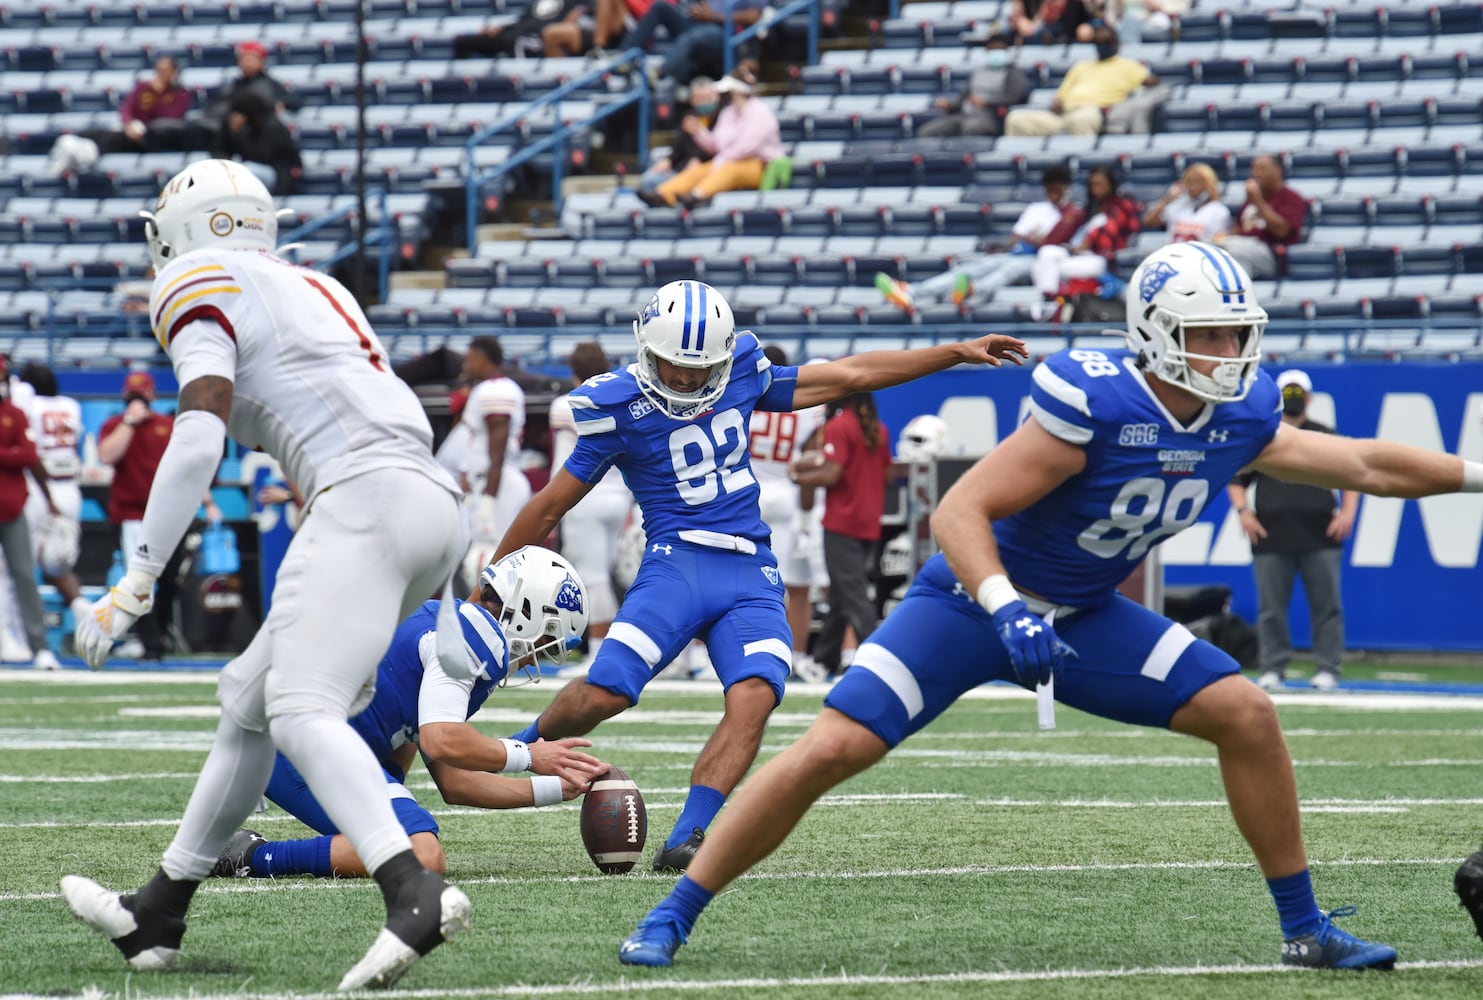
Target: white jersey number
(1140,502)
(701,478)
(774,435)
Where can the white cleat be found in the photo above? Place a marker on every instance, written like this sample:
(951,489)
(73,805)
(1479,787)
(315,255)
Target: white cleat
(45,659)
(1325,680)
(390,957)
(1270,680)
(105,913)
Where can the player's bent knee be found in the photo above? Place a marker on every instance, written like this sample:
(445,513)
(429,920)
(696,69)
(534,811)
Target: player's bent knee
(837,741)
(429,851)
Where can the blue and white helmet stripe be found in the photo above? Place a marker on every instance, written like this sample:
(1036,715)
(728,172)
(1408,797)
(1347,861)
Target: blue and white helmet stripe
(482,636)
(1228,278)
(695,316)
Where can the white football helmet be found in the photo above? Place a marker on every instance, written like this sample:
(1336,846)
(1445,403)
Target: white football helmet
(686,323)
(922,439)
(1186,285)
(545,606)
(211,203)
(61,541)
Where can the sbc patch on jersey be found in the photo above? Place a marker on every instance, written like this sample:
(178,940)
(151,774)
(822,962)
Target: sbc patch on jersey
(640,408)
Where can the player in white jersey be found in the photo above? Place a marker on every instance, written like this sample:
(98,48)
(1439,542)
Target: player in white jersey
(589,534)
(54,509)
(283,359)
(492,423)
(776,439)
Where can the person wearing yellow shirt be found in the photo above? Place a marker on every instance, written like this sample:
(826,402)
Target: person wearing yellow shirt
(1090,87)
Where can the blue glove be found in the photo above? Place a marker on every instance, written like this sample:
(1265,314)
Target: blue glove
(1035,651)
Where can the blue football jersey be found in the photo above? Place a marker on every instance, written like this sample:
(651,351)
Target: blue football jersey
(1147,477)
(694,474)
(391,718)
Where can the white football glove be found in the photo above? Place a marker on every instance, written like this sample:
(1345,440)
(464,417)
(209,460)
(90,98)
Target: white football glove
(111,616)
(486,525)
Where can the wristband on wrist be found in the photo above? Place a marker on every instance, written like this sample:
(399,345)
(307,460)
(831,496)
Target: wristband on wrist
(995,592)
(545,789)
(517,756)
(1472,477)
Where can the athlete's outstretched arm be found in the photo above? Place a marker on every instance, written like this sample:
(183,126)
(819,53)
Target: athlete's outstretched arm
(538,518)
(492,791)
(1381,468)
(1024,467)
(883,369)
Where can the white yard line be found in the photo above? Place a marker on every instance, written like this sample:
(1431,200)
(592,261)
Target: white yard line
(655,982)
(312,885)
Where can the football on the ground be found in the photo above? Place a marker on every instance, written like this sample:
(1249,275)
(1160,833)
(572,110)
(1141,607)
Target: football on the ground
(614,822)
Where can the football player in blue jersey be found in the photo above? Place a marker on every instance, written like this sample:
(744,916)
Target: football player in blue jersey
(1122,450)
(532,606)
(676,425)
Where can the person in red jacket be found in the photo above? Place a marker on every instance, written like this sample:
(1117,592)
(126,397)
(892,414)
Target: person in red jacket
(854,468)
(17,454)
(133,442)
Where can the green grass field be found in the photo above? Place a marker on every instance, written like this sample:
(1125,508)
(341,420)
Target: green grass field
(984,858)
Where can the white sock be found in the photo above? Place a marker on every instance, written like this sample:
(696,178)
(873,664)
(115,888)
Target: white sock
(343,774)
(231,783)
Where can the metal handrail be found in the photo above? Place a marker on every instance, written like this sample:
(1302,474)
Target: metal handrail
(735,40)
(475,180)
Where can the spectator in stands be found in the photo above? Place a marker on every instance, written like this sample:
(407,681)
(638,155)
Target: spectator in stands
(1090,252)
(1043,223)
(1139,16)
(1272,217)
(854,468)
(253,133)
(697,35)
(133,442)
(992,89)
(17,454)
(685,152)
(153,115)
(1191,209)
(1090,88)
(1296,530)
(1044,22)
(545,28)
(745,139)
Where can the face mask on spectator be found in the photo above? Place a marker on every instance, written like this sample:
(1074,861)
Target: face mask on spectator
(706,108)
(996,58)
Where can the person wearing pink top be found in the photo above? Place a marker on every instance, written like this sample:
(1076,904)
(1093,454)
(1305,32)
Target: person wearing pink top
(744,139)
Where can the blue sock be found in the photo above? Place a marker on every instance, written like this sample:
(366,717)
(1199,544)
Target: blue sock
(701,806)
(530,733)
(293,857)
(683,904)
(1296,907)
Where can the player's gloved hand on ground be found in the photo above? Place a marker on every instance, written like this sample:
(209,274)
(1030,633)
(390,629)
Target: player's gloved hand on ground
(1035,650)
(486,522)
(562,759)
(111,616)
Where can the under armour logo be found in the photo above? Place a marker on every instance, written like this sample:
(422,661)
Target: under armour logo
(1029,626)
(667,550)
(1219,436)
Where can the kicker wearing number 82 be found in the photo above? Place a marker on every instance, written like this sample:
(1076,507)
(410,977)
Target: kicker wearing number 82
(1122,450)
(676,425)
